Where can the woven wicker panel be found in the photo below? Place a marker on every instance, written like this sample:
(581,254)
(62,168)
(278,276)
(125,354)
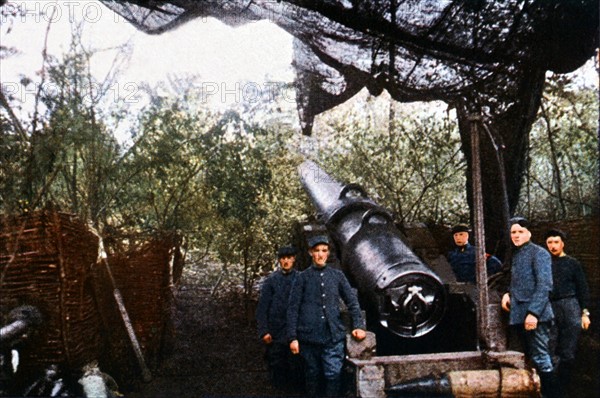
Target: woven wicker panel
(142,274)
(46,260)
(141,266)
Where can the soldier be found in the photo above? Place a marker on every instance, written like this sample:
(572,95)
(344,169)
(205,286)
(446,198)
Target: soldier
(462,257)
(528,301)
(570,297)
(315,327)
(271,315)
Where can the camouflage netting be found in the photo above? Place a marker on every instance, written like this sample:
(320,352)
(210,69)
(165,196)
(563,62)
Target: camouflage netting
(485,58)
(418,50)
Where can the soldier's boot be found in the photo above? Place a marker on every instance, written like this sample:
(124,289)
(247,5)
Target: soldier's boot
(312,387)
(332,387)
(550,385)
(565,372)
(278,379)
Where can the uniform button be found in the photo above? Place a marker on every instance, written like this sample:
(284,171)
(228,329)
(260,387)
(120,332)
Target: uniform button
(323,307)
(322,284)
(322,317)
(323,295)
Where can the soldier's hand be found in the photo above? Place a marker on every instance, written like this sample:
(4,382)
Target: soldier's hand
(359,334)
(530,322)
(585,322)
(295,347)
(506,302)
(267,338)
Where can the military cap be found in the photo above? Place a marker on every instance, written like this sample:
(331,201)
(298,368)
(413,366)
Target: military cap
(522,221)
(285,251)
(318,240)
(556,232)
(460,228)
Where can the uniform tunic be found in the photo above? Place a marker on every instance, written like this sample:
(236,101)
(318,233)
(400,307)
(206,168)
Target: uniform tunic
(531,284)
(271,318)
(314,320)
(314,307)
(530,287)
(569,296)
(271,313)
(462,261)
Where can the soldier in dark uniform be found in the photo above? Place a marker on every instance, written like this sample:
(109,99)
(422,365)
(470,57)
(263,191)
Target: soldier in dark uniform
(570,297)
(462,256)
(271,316)
(528,302)
(315,328)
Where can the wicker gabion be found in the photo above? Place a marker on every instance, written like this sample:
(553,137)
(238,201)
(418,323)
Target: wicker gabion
(142,268)
(46,260)
(50,260)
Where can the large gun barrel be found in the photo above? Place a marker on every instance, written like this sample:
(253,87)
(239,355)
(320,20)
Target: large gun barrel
(409,297)
(22,321)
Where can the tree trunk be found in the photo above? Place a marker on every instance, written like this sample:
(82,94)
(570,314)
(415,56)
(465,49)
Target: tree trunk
(512,128)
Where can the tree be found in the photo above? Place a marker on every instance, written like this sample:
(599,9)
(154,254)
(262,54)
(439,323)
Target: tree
(64,156)
(562,173)
(160,178)
(256,209)
(413,165)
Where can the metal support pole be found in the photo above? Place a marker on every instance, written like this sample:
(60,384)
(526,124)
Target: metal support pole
(478,229)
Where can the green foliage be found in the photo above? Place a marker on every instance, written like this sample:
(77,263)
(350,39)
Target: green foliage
(562,177)
(237,172)
(252,201)
(407,157)
(66,157)
(228,182)
(11,174)
(159,174)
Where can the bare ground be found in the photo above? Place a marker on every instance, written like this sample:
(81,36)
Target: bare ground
(215,350)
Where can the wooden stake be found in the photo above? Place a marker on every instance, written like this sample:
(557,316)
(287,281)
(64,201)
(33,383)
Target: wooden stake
(146,375)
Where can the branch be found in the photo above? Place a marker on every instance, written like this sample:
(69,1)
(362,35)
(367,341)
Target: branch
(43,71)
(554,159)
(552,194)
(13,117)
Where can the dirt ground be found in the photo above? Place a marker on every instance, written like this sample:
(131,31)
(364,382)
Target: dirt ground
(216,353)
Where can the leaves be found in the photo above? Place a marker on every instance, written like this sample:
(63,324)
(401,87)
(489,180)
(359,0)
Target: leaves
(407,157)
(562,177)
(228,182)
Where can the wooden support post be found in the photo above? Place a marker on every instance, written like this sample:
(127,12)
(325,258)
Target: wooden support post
(103,257)
(478,229)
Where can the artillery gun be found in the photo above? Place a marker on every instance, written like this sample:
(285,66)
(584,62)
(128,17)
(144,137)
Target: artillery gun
(425,325)
(408,297)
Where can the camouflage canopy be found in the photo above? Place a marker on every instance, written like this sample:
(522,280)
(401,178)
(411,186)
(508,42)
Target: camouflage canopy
(483,57)
(418,50)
